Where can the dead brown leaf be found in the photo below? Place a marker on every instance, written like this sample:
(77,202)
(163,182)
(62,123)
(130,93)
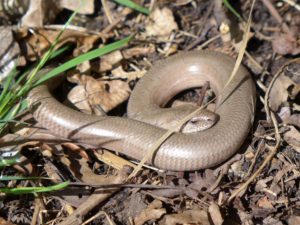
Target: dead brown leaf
(97,96)
(38,13)
(215,214)
(138,51)
(294,220)
(284,44)
(109,60)
(188,217)
(4,222)
(120,73)
(280,92)
(161,24)
(42,11)
(36,45)
(152,212)
(287,117)
(264,202)
(293,138)
(82,7)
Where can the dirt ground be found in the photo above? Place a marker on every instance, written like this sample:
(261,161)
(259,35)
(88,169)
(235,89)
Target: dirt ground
(259,184)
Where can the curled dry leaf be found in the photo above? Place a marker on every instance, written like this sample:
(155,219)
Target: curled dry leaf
(284,44)
(36,45)
(120,73)
(215,214)
(205,181)
(138,51)
(109,60)
(270,220)
(264,202)
(280,92)
(161,24)
(96,96)
(152,212)
(189,217)
(287,117)
(5,222)
(294,220)
(40,12)
(292,137)
(82,7)
(262,184)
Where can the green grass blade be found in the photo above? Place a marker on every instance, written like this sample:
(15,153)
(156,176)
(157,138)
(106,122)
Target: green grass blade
(134,6)
(8,83)
(30,190)
(9,161)
(228,5)
(9,178)
(85,57)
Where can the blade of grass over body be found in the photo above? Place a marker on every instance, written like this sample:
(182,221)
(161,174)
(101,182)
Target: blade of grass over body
(134,6)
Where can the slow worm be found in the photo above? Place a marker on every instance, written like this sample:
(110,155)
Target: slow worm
(147,117)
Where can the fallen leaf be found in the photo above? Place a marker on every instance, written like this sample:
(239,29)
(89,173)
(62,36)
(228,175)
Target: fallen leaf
(215,214)
(161,23)
(152,212)
(294,220)
(284,44)
(279,93)
(292,137)
(264,202)
(120,73)
(97,96)
(4,222)
(82,7)
(270,220)
(39,12)
(287,117)
(189,217)
(262,184)
(109,60)
(138,51)
(35,45)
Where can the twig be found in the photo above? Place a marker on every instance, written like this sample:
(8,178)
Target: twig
(107,11)
(209,41)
